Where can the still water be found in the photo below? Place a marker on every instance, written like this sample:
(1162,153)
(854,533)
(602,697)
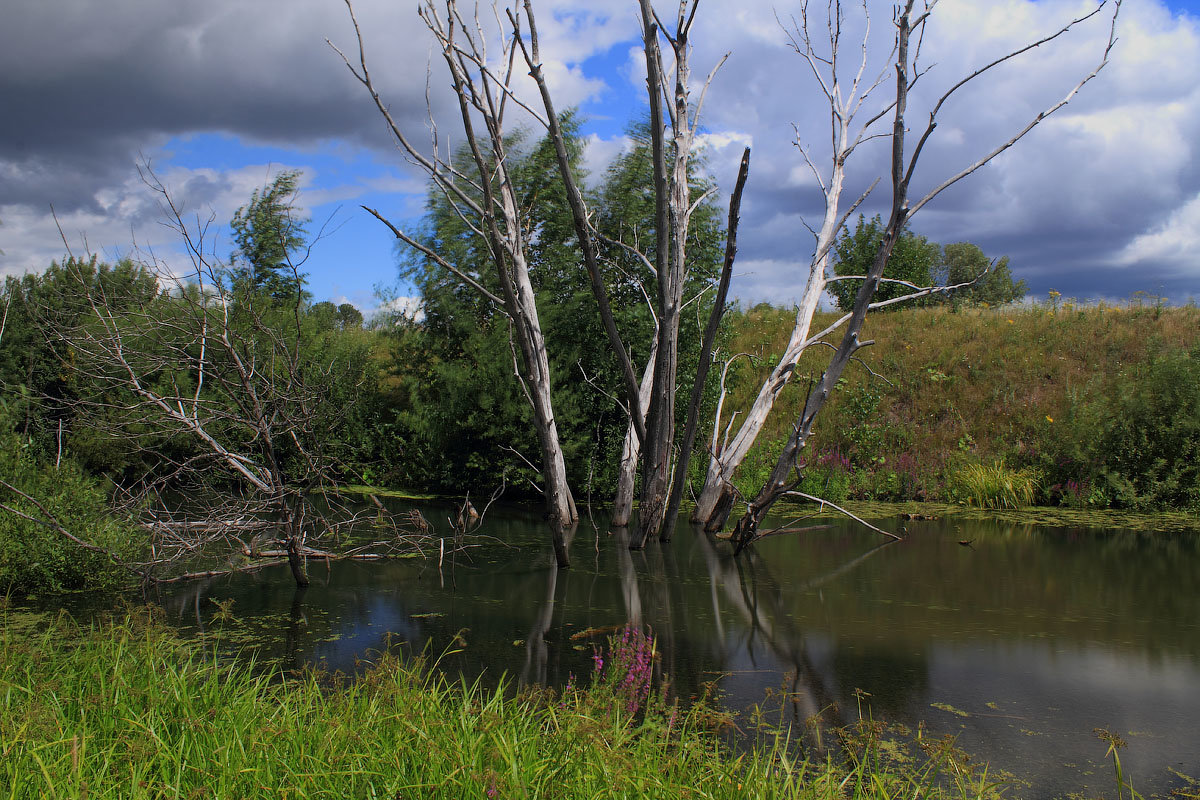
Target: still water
(1020,643)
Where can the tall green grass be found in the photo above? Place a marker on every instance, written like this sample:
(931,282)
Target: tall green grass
(994,485)
(1100,399)
(125,709)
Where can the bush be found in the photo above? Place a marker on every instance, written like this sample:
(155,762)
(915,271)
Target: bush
(34,558)
(993,486)
(1150,449)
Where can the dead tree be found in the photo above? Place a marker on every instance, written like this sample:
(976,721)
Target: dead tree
(911,19)
(650,402)
(847,134)
(489,207)
(223,376)
(673,209)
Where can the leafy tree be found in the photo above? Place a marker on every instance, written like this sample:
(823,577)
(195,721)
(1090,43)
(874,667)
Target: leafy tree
(964,261)
(336,317)
(465,419)
(37,365)
(914,260)
(269,237)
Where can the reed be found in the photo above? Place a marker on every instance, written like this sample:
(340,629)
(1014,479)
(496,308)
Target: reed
(994,485)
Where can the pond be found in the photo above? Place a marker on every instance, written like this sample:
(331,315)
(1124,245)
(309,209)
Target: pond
(1019,640)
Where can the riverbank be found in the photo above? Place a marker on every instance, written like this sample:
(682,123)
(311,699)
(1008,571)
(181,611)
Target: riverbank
(1078,406)
(1042,516)
(126,709)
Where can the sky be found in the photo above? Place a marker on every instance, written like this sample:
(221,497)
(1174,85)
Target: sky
(1100,201)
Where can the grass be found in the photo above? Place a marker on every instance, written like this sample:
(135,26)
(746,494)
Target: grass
(984,385)
(994,486)
(1051,517)
(125,709)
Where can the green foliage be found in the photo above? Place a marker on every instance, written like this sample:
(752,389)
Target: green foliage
(994,485)
(914,260)
(269,237)
(1149,450)
(465,418)
(126,710)
(343,317)
(964,261)
(35,558)
(39,365)
(827,476)
(1025,386)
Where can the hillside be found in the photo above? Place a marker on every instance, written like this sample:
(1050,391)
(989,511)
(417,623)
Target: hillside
(1094,405)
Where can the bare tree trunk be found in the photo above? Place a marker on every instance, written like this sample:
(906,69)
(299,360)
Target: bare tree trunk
(673,208)
(631,449)
(716,498)
(494,214)
(560,503)
(780,481)
(706,348)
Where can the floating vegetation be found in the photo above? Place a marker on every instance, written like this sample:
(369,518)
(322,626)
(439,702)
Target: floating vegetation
(588,633)
(958,712)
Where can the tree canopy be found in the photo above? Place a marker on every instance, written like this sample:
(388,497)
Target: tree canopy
(465,419)
(964,261)
(270,238)
(920,263)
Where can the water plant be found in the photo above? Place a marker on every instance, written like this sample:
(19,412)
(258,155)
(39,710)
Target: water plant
(1115,744)
(994,486)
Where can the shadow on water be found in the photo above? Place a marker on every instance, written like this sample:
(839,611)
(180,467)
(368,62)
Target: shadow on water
(1019,643)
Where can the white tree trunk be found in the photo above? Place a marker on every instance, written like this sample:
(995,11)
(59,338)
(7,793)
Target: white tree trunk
(714,503)
(631,450)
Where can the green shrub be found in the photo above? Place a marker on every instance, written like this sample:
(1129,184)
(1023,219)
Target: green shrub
(35,558)
(1150,448)
(993,485)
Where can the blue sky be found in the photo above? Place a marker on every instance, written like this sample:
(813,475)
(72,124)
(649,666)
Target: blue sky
(222,94)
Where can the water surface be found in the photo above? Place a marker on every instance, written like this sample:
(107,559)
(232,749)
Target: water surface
(1020,642)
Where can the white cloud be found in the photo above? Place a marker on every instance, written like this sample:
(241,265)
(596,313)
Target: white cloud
(1176,241)
(411,309)
(1114,172)
(599,153)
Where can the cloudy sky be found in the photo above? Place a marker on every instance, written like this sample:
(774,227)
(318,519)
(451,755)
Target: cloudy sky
(1100,201)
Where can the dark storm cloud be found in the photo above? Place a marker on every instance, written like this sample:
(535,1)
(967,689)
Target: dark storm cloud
(1103,196)
(86,85)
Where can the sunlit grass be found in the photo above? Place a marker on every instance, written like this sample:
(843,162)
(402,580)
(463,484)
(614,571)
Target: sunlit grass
(994,485)
(125,709)
(989,384)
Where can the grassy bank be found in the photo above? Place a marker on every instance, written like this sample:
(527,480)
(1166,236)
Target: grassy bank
(1080,406)
(126,710)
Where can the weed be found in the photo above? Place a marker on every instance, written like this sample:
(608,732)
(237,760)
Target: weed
(994,485)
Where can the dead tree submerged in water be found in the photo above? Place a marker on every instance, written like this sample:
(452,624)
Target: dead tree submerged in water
(651,404)
(910,20)
(490,208)
(484,88)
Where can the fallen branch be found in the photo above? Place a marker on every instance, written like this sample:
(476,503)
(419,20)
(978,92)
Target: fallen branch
(841,510)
